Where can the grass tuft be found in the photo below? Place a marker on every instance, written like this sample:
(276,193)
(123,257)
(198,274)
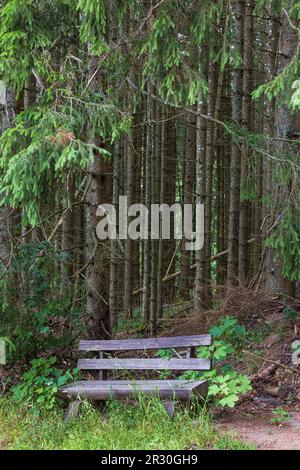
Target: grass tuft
(143,426)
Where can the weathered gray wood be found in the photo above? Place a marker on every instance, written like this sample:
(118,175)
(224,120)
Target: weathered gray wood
(165,389)
(145,343)
(169,406)
(72,411)
(102,375)
(144,364)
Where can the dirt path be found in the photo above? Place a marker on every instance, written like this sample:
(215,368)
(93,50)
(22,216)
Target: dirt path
(257,430)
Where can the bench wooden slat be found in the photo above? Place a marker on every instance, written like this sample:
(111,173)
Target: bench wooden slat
(102,390)
(144,364)
(145,343)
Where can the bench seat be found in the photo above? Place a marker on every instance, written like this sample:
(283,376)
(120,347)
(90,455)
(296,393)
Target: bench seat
(104,389)
(168,390)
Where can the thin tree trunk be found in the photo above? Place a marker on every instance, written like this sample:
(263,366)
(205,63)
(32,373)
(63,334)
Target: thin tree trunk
(284,122)
(188,184)
(97,282)
(209,175)
(246,117)
(155,161)
(114,255)
(171,167)
(235,166)
(201,262)
(29,100)
(128,266)
(7,115)
(147,195)
(68,223)
(161,200)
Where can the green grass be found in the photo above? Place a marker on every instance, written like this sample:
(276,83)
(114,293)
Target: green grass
(125,427)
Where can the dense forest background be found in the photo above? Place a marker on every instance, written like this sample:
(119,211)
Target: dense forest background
(162,101)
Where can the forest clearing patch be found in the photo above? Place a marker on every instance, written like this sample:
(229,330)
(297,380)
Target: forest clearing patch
(258,430)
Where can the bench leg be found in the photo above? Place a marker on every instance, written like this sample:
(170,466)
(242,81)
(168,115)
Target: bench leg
(169,406)
(72,411)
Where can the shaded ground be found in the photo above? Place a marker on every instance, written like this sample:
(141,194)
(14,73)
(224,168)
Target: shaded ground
(273,324)
(257,429)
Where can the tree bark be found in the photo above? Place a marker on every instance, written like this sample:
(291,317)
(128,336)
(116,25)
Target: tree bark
(114,253)
(128,265)
(7,115)
(235,166)
(200,255)
(284,122)
(161,200)
(209,174)
(68,225)
(246,118)
(98,324)
(188,196)
(147,201)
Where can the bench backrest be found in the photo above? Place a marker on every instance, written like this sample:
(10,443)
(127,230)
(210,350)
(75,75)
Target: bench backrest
(104,347)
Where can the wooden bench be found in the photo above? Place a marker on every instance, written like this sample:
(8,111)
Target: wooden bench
(167,390)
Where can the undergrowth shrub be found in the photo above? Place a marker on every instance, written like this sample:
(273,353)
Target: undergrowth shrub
(34,304)
(39,384)
(225,383)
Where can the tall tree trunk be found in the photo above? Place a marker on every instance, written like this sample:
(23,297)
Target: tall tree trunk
(114,254)
(246,117)
(201,261)
(128,265)
(235,166)
(161,200)
(209,173)
(67,243)
(170,246)
(155,162)
(147,201)
(284,122)
(97,282)
(188,196)
(30,92)
(7,115)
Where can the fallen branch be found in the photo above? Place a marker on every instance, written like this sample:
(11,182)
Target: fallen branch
(192,268)
(262,374)
(276,363)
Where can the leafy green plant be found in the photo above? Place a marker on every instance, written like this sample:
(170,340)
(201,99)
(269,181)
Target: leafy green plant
(290,314)
(225,384)
(164,353)
(295,99)
(228,329)
(286,240)
(30,313)
(281,416)
(218,351)
(296,347)
(8,343)
(39,384)
(258,334)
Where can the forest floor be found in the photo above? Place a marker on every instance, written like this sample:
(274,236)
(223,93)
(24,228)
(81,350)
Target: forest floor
(257,429)
(273,324)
